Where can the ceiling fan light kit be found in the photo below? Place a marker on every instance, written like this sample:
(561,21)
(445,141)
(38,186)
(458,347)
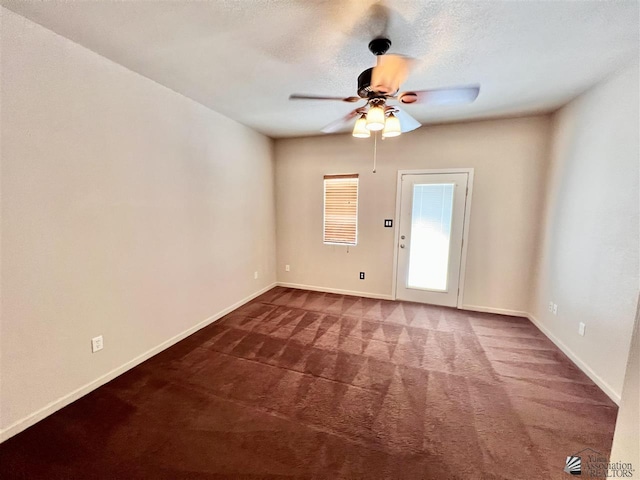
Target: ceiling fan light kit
(375,118)
(380,84)
(391,127)
(360,129)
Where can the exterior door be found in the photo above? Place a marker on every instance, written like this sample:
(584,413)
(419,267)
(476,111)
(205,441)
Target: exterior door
(429,250)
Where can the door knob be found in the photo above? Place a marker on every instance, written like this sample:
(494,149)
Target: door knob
(402,237)
(402,245)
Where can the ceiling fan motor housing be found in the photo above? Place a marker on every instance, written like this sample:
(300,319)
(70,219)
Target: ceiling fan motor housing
(364,83)
(377,46)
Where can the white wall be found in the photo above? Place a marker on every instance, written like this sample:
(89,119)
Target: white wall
(589,256)
(127,210)
(510,160)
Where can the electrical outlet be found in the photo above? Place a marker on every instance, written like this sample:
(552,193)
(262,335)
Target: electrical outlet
(388,223)
(287,268)
(255,275)
(361,275)
(97,344)
(551,306)
(555,309)
(581,328)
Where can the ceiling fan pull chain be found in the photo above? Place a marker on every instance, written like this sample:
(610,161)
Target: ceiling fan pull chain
(375,150)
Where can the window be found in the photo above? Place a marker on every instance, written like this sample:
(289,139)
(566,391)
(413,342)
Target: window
(341,209)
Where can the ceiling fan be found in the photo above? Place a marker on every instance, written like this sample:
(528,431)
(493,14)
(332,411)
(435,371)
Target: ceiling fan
(380,84)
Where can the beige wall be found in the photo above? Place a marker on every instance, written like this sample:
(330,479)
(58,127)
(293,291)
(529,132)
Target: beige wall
(589,255)
(510,160)
(626,440)
(127,211)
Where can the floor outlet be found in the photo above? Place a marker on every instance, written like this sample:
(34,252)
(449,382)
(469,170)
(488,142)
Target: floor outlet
(97,344)
(361,275)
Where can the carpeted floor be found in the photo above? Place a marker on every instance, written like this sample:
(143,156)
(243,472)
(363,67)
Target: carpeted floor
(313,385)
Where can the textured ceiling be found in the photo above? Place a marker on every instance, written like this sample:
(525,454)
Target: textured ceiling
(244,58)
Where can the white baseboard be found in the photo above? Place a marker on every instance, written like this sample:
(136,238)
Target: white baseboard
(65,400)
(499,311)
(56,405)
(335,290)
(604,386)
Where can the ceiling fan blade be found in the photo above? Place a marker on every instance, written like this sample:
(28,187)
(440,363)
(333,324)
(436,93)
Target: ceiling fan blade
(390,72)
(296,96)
(441,96)
(407,122)
(377,20)
(341,122)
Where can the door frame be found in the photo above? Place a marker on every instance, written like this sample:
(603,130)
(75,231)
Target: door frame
(465,225)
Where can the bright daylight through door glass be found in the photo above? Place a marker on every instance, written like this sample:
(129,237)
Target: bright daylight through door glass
(430,236)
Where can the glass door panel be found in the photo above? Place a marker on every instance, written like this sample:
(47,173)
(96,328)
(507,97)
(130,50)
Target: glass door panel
(430,236)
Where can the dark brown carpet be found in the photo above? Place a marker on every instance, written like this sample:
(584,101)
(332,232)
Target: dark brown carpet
(312,385)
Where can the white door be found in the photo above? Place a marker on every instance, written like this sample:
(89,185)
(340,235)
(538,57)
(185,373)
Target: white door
(432,209)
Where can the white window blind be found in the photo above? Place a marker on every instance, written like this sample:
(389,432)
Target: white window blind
(341,209)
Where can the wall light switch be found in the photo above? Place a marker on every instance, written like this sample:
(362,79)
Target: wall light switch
(581,328)
(97,344)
